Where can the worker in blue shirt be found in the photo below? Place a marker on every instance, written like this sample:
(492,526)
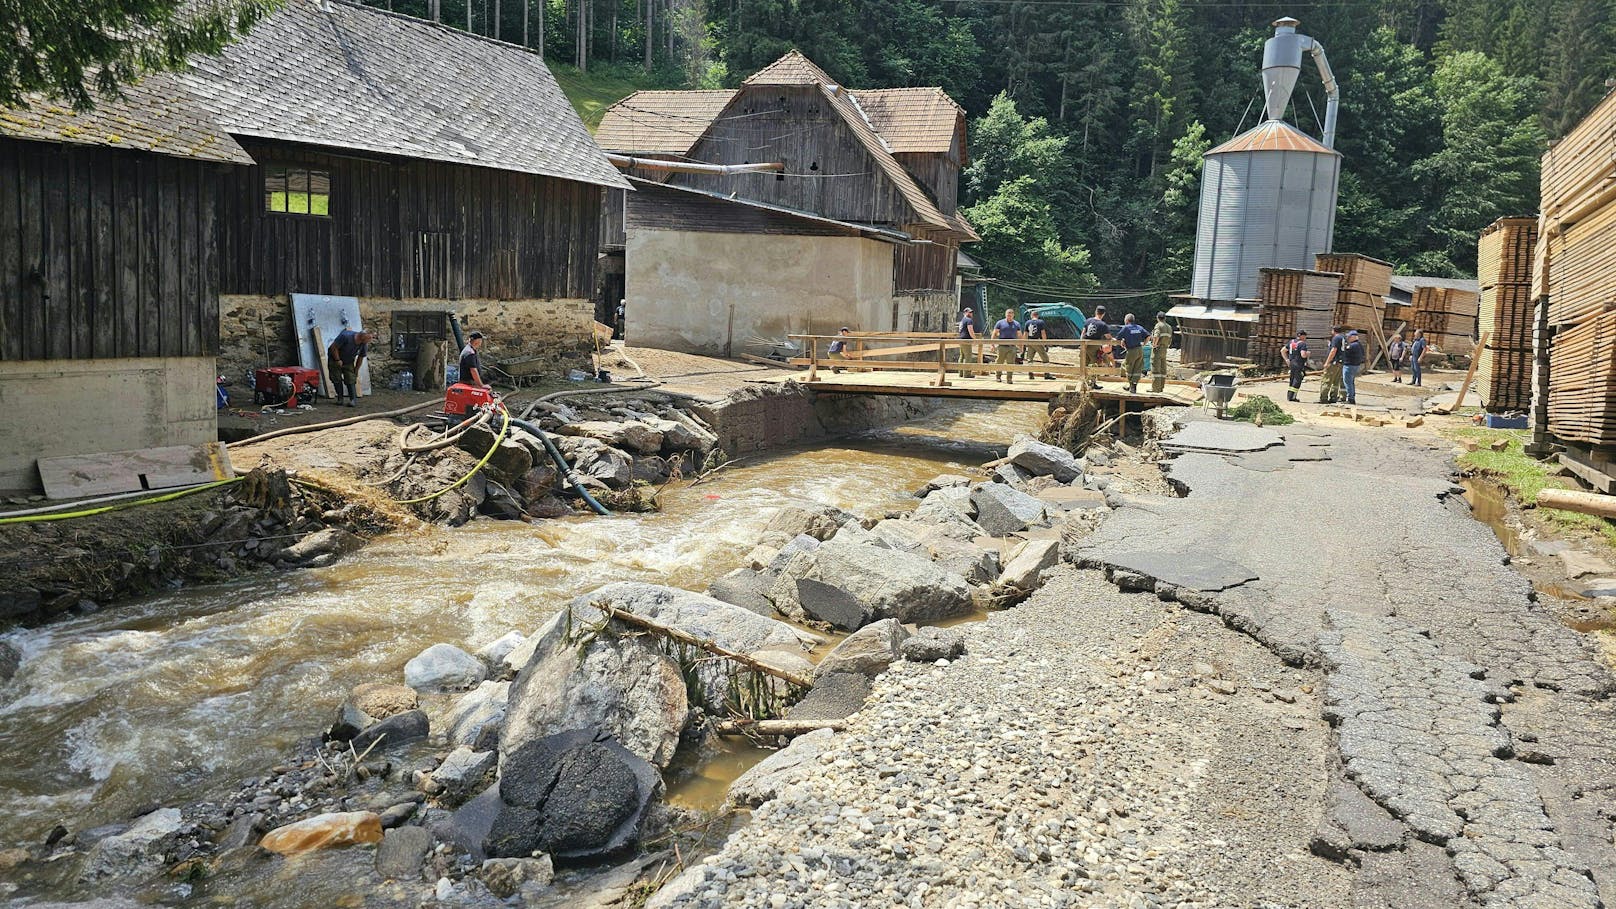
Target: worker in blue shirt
(1006,329)
(838,347)
(967,332)
(343,359)
(1095,329)
(1416,352)
(1133,337)
(1037,330)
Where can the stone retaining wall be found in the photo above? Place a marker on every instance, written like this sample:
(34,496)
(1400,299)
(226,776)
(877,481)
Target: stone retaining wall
(755,419)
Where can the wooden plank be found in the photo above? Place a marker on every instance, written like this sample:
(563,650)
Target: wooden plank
(104,304)
(11,262)
(112,472)
(327,389)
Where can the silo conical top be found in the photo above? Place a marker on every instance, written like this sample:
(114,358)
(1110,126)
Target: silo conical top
(1282,64)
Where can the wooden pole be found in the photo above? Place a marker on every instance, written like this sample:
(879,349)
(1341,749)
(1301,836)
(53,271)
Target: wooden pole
(320,361)
(685,637)
(1464,389)
(786,728)
(1578,501)
(942,364)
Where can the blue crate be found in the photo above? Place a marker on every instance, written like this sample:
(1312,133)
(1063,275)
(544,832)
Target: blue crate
(1495,421)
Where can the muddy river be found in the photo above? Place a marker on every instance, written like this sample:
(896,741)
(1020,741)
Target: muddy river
(176,697)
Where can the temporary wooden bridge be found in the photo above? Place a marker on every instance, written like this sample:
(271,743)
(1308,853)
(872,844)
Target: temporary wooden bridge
(921,364)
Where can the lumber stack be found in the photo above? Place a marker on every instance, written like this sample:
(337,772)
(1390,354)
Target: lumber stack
(1447,315)
(1361,298)
(1504,268)
(1293,299)
(1575,271)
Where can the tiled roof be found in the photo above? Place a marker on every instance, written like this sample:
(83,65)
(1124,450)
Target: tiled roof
(154,115)
(925,210)
(660,122)
(792,69)
(912,119)
(1272,135)
(354,77)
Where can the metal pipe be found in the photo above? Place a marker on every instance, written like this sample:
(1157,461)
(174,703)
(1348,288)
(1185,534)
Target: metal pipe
(691,167)
(1332,91)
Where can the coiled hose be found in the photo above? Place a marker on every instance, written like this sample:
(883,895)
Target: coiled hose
(504,427)
(561,464)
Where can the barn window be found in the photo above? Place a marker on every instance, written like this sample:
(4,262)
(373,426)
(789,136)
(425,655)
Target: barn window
(297,191)
(411,328)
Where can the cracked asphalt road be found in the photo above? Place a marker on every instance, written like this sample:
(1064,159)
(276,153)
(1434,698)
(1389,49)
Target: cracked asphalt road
(1461,708)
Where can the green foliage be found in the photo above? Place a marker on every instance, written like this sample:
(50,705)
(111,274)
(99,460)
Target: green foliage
(592,92)
(1272,414)
(76,51)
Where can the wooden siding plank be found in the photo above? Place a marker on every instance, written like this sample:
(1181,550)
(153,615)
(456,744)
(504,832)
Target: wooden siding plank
(149,298)
(171,287)
(59,305)
(126,199)
(11,261)
(104,299)
(32,206)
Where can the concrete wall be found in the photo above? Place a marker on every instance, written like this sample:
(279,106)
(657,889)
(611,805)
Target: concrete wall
(65,407)
(711,293)
(257,331)
(764,418)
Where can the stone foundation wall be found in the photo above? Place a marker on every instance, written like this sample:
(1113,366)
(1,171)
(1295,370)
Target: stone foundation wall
(757,419)
(256,331)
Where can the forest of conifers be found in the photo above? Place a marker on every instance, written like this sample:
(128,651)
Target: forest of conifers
(1088,117)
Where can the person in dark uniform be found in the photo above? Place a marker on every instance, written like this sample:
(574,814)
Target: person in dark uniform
(1037,330)
(1095,329)
(1353,357)
(1330,385)
(344,356)
(967,332)
(1296,359)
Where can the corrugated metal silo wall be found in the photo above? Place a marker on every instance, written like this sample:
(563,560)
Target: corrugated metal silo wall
(1261,209)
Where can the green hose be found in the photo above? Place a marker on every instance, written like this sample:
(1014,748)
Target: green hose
(561,464)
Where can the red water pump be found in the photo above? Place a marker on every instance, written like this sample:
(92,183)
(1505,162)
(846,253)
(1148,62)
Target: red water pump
(281,384)
(461,399)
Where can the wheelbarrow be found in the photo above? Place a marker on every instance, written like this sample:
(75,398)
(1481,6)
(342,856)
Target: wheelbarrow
(1217,391)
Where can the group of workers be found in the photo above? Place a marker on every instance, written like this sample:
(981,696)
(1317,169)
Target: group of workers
(1344,360)
(347,352)
(1101,343)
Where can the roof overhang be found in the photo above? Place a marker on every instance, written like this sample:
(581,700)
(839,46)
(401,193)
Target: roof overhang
(872,231)
(1212,312)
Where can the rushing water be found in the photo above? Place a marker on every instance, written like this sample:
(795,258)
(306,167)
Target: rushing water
(176,697)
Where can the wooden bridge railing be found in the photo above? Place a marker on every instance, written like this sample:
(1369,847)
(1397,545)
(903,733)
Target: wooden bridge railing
(942,354)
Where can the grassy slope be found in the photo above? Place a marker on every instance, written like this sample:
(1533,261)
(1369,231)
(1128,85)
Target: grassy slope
(1524,477)
(592,92)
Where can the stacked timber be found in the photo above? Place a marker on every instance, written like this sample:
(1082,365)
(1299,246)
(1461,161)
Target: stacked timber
(1576,272)
(1293,300)
(1504,269)
(1361,298)
(1447,315)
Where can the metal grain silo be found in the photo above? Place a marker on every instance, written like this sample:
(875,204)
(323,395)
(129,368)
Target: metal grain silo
(1268,196)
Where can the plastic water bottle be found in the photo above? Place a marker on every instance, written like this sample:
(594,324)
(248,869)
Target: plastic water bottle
(404,381)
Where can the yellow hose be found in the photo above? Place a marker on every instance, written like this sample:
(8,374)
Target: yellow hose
(84,513)
(503,426)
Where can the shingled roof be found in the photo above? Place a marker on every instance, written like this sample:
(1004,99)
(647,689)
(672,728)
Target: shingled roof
(912,119)
(660,122)
(791,69)
(155,115)
(349,76)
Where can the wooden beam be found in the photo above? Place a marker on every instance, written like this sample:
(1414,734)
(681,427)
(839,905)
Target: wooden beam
(1475,360)
(1579,501)
(320,360)
(788,728)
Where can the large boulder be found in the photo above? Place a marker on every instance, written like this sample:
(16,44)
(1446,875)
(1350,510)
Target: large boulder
(818,521)
(408,726)
(630,435)
(791,764)
(746,588)
(402,853)
(511,458)
(868,651)
(476,718)
(594,458)
(1002,510)
(380,700)
(950,508)
(576,796)
(622,685)
(1044,460)
(136,850)
(494,653)
(462,772)
(835,696)
(880,582)
(444,667)
(1027,566)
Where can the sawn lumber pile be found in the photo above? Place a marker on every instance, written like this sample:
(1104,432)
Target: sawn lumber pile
(1293,300)
(1360,301)
(1576,270)
(1447,315)
(1504,267)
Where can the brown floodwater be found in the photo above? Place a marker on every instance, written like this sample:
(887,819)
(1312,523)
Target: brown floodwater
(1490,505)
(178,696)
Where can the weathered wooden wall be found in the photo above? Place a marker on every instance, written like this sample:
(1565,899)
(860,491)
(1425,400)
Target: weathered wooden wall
(411,228)
(106,254)
(611,219)
(797,125)
(925,266)
(939,174)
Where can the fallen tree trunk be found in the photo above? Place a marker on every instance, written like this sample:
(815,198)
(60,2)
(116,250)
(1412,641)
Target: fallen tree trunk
(684,637)
(1576,500)
(788,728)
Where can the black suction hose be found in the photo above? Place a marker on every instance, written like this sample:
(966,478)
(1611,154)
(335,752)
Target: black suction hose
(560,463)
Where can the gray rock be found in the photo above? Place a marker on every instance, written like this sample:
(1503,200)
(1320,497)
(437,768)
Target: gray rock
(829,603)
(868,651)
(444,667)
(651,469)
(395,730)
(1027,566)
(974,563)
(1354,821)
(500,503)
(136,850)
(511,458)
(330,541)
(1040,459)
(631,436)
(597,459)
(785,660)
(622,685)
(350,722)
(942,481)
(949,505)
(478,713)
(836,696)
(818,521)
(402,852)
(241,831)
(493,654)
(471,823)
(10,660)
(791,764)
(1001,510)
(888,583)
(395,815)
(573,796)
(508,877)
(1012,476)
(463,771)
(746,588)
(929,644)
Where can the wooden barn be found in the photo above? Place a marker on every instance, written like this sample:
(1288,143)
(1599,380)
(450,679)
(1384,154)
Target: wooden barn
(858,226)
(418,168)
(109,275)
